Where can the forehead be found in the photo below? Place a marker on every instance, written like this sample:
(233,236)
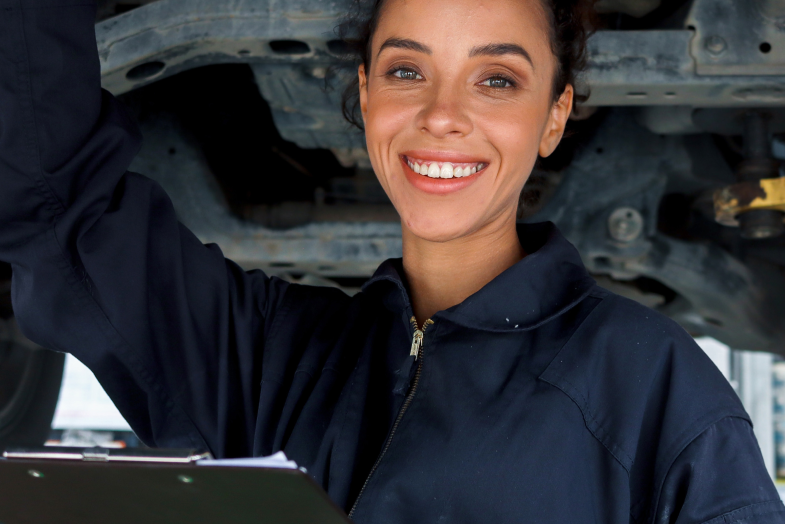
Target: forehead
(455,24)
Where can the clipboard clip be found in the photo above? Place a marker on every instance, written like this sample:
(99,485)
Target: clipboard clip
(98,454)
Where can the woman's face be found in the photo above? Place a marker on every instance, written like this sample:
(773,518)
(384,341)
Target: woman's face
(462,89)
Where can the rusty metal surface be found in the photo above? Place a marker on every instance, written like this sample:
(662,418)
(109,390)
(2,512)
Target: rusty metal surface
(641,68)
(651,68)
(349,247)
(655,68)
(165,37)
(187,33)
(738,37)
(625,166)
(731,201)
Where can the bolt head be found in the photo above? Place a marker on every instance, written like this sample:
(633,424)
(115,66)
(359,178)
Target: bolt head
(715,45)
(625,224)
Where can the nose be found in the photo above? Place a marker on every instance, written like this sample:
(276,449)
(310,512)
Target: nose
(444,114)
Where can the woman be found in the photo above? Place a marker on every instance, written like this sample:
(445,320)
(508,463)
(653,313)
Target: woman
(482,378)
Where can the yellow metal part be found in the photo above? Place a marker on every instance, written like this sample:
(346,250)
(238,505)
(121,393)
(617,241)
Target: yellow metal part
(731,201)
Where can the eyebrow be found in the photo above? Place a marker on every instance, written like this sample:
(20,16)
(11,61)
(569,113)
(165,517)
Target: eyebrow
(484,50)
(404,43)
(501,49)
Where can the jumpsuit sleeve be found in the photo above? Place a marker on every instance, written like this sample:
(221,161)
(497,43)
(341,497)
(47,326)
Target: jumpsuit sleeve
(720,478)
(102,268)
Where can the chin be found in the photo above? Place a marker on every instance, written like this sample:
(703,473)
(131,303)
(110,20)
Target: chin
(438,227)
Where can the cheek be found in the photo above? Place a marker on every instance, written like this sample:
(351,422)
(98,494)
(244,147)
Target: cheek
(386,117)
(387,121)
(515,132)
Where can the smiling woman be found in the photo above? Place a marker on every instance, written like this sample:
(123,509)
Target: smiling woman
(471,93)
(483,377)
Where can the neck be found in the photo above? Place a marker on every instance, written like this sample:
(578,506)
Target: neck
(443,274)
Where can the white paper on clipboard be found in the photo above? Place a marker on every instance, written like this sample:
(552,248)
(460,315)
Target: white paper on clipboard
(277,460)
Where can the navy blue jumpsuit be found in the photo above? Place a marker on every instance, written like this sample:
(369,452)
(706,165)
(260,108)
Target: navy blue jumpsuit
(541,398)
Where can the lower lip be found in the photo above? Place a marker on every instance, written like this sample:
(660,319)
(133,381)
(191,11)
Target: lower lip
(438,186)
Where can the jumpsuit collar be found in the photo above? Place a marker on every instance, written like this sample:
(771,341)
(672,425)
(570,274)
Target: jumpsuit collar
(550,280)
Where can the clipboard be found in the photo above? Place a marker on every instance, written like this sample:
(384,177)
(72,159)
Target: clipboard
(108,486)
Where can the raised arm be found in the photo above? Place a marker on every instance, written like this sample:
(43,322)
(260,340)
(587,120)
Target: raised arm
(102,268)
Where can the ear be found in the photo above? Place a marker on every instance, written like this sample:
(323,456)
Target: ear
(557,121)
(363,85)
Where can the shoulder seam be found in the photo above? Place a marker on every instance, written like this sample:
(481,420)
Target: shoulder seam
(591,423)
(599,292)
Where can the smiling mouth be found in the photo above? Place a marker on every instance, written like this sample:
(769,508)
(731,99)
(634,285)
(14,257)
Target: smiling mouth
(435,169)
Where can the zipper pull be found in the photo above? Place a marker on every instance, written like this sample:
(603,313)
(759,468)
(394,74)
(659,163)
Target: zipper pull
(418,336)
(416,343)
(405,377)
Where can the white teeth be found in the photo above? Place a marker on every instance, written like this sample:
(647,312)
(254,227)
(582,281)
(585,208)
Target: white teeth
(447,170)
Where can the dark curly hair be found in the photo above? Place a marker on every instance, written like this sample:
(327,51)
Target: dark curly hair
(569,23)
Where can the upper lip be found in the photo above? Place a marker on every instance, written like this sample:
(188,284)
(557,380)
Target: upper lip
(443,156)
